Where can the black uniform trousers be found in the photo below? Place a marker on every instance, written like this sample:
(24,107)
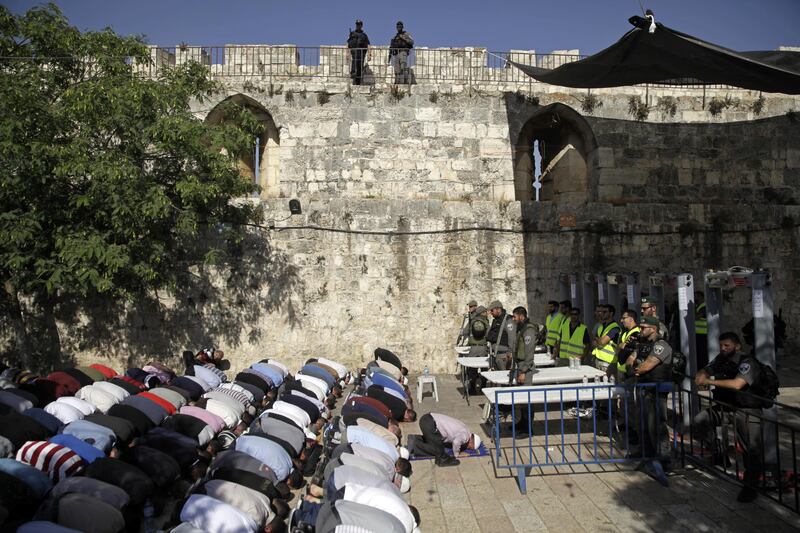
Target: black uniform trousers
(357,56)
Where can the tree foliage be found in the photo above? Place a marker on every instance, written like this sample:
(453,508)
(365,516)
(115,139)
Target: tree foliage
(110,184)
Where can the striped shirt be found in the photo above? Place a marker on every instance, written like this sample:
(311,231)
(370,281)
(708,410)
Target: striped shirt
(57,461)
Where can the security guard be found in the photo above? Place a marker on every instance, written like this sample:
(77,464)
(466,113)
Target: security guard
(463,334)
(478,347)
(627,344)
(649,308)
(605,339)
(701,329)
(652,363)
(478,328)
(501,335)
(553,322)
(735,374)
(524,345)
(574,342)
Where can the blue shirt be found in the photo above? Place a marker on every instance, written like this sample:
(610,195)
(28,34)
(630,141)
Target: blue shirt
(274,375)
(100,437)
(268,452)
(86,451)
(360,435)
(50,422)
(38,481)
(317,372)
(388,383)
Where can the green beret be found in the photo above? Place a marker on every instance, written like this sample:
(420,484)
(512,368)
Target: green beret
(649,300)
(650,321)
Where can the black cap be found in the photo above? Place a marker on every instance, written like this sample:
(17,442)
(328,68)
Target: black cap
(359,21)
(399,23)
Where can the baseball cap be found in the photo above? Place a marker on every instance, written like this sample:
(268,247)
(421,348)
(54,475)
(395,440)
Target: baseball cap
(472,303)
(495,304)
(359,21)
(404,452)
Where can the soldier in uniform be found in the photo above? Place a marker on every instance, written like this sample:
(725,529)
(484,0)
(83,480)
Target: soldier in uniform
(652,363)
(649,308)
(524,366)
(501,335)
(478,330)
(399,47)
(524,346)
(463,334)
(734,373)
(358,50)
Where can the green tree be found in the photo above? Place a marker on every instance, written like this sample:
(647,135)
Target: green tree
(110,186)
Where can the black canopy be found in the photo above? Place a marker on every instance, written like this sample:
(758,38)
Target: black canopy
(669,56)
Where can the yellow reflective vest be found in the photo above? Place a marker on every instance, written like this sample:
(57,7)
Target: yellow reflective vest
(700,324)
(606,353)
(572,345)
(553,324)
(625,336)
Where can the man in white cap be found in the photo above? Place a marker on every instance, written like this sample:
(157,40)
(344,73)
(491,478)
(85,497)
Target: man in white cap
(439,430)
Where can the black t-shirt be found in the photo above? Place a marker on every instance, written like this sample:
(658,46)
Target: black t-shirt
(129,478)
(123,429)
(19,429)
(395,404)
(184,424)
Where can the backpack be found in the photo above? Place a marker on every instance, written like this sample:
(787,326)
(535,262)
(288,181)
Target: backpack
(479,329)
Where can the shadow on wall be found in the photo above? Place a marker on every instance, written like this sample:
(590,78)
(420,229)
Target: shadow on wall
(225,305)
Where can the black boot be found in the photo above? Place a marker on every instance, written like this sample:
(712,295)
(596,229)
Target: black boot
(446,460)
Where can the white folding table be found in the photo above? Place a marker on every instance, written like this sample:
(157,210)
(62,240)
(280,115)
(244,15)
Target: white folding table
(546,376)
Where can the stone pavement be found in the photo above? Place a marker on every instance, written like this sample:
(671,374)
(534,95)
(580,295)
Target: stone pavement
(474,498)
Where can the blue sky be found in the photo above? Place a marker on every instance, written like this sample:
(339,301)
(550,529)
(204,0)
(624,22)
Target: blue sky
(499,25)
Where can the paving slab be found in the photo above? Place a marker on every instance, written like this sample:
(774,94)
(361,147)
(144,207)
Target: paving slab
(479,496)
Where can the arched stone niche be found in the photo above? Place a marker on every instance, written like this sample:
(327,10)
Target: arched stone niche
(568,151)
(269,145)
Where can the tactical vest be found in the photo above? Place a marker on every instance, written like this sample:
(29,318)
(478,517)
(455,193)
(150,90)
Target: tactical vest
(553,324)
(700,324)
(606,353)
(478,328)
(662,373)
(527,329)
(625,336)
(572,345)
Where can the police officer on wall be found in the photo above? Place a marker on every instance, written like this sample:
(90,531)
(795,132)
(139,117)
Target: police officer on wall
(358,50)
(501,334)
(652,363)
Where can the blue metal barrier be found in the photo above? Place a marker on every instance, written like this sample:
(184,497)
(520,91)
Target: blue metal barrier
(622,411)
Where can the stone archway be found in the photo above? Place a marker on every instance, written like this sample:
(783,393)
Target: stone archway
(568,151)
(269,145)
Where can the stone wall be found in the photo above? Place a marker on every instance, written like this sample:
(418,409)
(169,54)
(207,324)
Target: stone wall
(399,186)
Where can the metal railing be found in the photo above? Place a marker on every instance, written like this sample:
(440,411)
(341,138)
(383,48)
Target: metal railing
(466,66)
(612,433)
(457,65)
(769,451)
(608,424)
